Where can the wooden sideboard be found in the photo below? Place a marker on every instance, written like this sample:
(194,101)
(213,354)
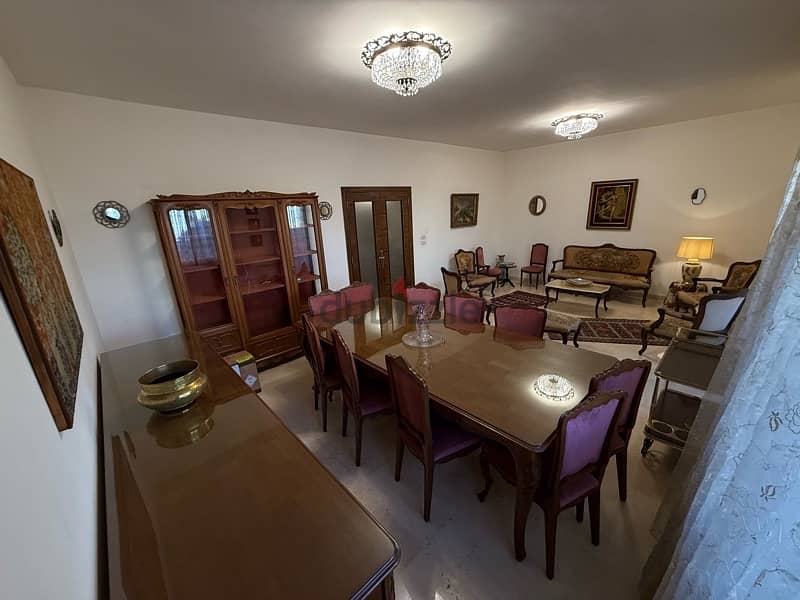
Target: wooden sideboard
(243,265)
(223,501)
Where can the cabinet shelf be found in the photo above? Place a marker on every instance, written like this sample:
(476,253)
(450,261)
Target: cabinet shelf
(307,278)
(198,268)
(258,230)
(198,300)
(256,261)
(304,253)
(257,289)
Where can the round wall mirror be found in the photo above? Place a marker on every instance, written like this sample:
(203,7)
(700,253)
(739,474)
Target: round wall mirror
(325,210)
(537,205)
(698,195)
(111,214)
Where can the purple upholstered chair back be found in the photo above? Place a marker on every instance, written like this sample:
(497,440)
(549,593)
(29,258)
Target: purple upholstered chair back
(585,430)
(422,293)
(410,399)
(523,320)
(326,301)
(629,376)
(347,369)
(464,308)
(357,293)
(539,254)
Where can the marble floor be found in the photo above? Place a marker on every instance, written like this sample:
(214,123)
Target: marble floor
(466,550)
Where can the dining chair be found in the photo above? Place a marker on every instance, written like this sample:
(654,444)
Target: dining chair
(363,396)
(357,293)
(327,301)
(422,293)
(428,436)
(537,265)
(468,269)
(629,376)
(715,314)
(323,364)
(521,319)
(453,282)
(484,268)
(572,467)
(464,308)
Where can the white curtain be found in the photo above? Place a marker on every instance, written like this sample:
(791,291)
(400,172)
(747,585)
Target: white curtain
(730,527)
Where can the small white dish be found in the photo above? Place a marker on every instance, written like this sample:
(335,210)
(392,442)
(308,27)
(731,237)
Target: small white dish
(579,281)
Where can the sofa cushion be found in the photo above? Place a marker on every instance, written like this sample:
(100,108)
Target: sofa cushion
(617,279)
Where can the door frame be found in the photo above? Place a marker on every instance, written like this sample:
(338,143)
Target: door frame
(351,239)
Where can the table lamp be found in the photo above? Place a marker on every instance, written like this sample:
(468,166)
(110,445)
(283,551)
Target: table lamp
(694,249)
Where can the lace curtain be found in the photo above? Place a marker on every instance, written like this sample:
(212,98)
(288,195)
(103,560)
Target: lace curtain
(730,527)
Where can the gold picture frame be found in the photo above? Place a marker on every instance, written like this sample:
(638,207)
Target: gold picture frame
(463,210)
(611,204)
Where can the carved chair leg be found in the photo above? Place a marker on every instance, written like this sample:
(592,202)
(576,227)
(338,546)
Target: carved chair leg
(644,297)
(594,516)
(645,333)
(359,430)
(428,488)
(550,528)
(344,418)
(316,397)
(521,275)
(622,474)
(398,458)
(487,477)
(325,400)
(579,511)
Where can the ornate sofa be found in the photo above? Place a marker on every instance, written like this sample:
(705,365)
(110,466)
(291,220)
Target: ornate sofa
(626,268)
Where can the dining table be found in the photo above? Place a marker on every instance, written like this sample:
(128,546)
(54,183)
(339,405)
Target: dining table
(483,378)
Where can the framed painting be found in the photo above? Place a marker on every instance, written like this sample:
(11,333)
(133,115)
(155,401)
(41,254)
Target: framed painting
(37,295)
(463,210)
(611,204)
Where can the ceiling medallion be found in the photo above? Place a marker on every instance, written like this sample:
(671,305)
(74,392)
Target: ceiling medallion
(406,62)
(574,127)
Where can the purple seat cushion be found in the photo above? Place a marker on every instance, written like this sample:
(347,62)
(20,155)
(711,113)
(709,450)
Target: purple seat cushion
(493,272)
(585,435)
(449,439)
(628,382)
(577,487)
(533,269)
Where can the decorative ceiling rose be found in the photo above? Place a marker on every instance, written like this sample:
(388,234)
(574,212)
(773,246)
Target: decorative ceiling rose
(574,127)
(406,62)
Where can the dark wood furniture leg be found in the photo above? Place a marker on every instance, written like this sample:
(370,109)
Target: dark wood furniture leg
(523,462)
(596,307)
(577,333)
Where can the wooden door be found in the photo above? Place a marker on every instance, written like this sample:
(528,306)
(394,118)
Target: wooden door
(380,239)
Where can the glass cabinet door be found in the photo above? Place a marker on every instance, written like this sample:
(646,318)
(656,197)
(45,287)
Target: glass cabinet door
(193,233)
(305,259)
(256,254)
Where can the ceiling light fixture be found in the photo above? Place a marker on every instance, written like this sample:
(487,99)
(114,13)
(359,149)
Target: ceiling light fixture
(406,62)
(574,127)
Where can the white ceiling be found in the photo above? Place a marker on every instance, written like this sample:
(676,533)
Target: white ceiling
(516,65)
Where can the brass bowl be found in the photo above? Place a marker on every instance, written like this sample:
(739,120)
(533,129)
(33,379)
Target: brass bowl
(171,387)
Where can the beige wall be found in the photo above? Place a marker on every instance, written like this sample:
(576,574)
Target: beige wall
(95,149)
(743,160)
(48,502)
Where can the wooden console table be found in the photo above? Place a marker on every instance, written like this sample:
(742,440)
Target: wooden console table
(223,501)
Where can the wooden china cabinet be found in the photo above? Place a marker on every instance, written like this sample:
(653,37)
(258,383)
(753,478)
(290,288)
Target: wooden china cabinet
(243,265)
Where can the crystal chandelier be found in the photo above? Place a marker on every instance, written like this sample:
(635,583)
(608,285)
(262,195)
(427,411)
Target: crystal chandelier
(574,127)
(405,62)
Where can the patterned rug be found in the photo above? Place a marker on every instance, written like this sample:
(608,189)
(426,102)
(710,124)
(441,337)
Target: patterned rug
(610,331)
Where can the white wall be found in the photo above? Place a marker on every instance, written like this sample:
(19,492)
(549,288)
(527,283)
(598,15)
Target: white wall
(48,480)
(743,160)
(95,149)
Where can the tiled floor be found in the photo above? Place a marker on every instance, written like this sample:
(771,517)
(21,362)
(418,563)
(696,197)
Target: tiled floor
(466,550)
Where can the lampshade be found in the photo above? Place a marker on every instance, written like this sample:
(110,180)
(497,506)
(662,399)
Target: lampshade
(696,248)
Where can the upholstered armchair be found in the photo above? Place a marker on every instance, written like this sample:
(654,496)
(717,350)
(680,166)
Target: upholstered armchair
(467,267)
(739,277)
(715,314)
(484,268)
(453,282)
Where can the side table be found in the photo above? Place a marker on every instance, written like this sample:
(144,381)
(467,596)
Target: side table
(504,278)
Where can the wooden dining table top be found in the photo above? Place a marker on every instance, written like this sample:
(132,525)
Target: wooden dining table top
(484,374)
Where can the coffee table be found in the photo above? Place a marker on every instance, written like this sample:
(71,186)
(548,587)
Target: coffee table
(598,291)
